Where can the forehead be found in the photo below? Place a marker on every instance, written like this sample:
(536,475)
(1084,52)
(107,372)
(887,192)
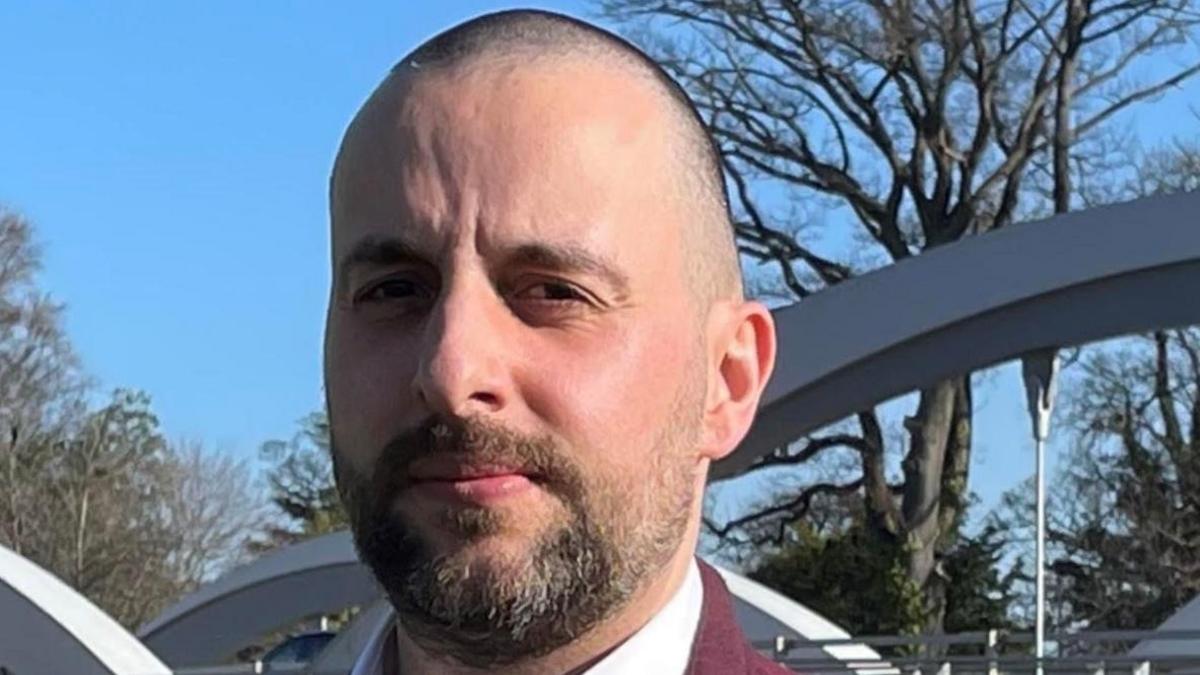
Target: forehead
(536,151)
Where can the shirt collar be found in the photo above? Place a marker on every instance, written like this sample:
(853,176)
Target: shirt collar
(370,661)
(662,646)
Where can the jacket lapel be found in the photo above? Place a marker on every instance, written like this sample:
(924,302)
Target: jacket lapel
(720,646)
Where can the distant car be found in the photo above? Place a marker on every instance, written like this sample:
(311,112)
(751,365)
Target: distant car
(298,649)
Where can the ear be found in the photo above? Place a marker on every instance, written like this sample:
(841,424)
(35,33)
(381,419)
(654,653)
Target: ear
(741,357)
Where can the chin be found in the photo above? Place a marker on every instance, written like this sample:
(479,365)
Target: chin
(493,549)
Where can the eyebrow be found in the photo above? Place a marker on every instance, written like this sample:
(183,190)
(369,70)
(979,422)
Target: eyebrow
(570,258)
(375,251)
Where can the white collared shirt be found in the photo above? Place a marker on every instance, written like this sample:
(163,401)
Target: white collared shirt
(661,647)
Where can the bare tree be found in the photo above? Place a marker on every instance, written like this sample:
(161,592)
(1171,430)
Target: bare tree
(214,505)
(98,497)
(1168,170)
(131,521)
(915,124)
(40,382)
(1128,554)
(1123,533)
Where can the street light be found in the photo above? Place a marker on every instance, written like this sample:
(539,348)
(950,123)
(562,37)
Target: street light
(1039,369)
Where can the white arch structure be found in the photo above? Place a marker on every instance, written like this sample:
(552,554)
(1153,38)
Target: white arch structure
(1068,280)
(325,575)
(321,575)
(47,627)
(1186,618)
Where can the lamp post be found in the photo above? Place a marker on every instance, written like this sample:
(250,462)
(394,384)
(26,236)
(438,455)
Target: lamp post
(1039,369)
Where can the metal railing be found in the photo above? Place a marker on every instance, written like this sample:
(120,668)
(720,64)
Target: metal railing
(992,653)
(996,653)
(252,668)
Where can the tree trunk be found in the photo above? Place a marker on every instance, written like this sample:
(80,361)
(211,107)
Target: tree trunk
(1063,104)
(80,533)
(882,515)
(935,480)
(16,536)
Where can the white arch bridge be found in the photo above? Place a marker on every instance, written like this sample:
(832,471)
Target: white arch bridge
(1068,280)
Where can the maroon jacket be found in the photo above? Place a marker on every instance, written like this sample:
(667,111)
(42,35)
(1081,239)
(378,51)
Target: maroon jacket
(720,647)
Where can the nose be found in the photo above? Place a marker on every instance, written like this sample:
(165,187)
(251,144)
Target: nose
(463,363)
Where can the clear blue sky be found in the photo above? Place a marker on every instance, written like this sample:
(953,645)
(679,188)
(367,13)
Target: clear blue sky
(174,157)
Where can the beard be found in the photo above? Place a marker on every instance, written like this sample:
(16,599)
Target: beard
(620,528)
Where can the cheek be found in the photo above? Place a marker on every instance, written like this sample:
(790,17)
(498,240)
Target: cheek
(368,386)
(611,394)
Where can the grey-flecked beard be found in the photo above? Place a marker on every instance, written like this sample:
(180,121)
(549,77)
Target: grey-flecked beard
(575,576)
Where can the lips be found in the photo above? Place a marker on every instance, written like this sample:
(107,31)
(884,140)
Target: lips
(462,471)
(471,483)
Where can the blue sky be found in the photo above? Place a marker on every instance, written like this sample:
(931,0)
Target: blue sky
(174,157)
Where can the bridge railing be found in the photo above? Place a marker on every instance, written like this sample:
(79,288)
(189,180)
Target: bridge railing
(992,652)
(995,652)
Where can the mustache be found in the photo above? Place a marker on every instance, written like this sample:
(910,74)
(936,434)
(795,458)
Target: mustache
(473,440)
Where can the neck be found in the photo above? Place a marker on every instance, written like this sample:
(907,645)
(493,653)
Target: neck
(578,655)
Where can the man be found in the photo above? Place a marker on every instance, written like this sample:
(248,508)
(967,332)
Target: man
(536,344)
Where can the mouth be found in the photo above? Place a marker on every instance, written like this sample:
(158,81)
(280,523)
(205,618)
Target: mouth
(479,484)
(451,471)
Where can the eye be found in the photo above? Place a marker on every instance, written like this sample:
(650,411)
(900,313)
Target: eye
(395,289)
(551,292)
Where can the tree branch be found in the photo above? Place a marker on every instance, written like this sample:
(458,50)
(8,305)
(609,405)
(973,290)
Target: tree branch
(812,447)
(796,507)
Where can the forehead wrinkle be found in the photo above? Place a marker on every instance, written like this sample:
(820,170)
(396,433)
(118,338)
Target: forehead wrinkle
(399,167)
(449,127)
(618,105)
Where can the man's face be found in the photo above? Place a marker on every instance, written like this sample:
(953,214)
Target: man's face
(514,363)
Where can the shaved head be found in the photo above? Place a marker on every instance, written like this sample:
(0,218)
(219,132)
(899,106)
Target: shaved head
(526,36)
